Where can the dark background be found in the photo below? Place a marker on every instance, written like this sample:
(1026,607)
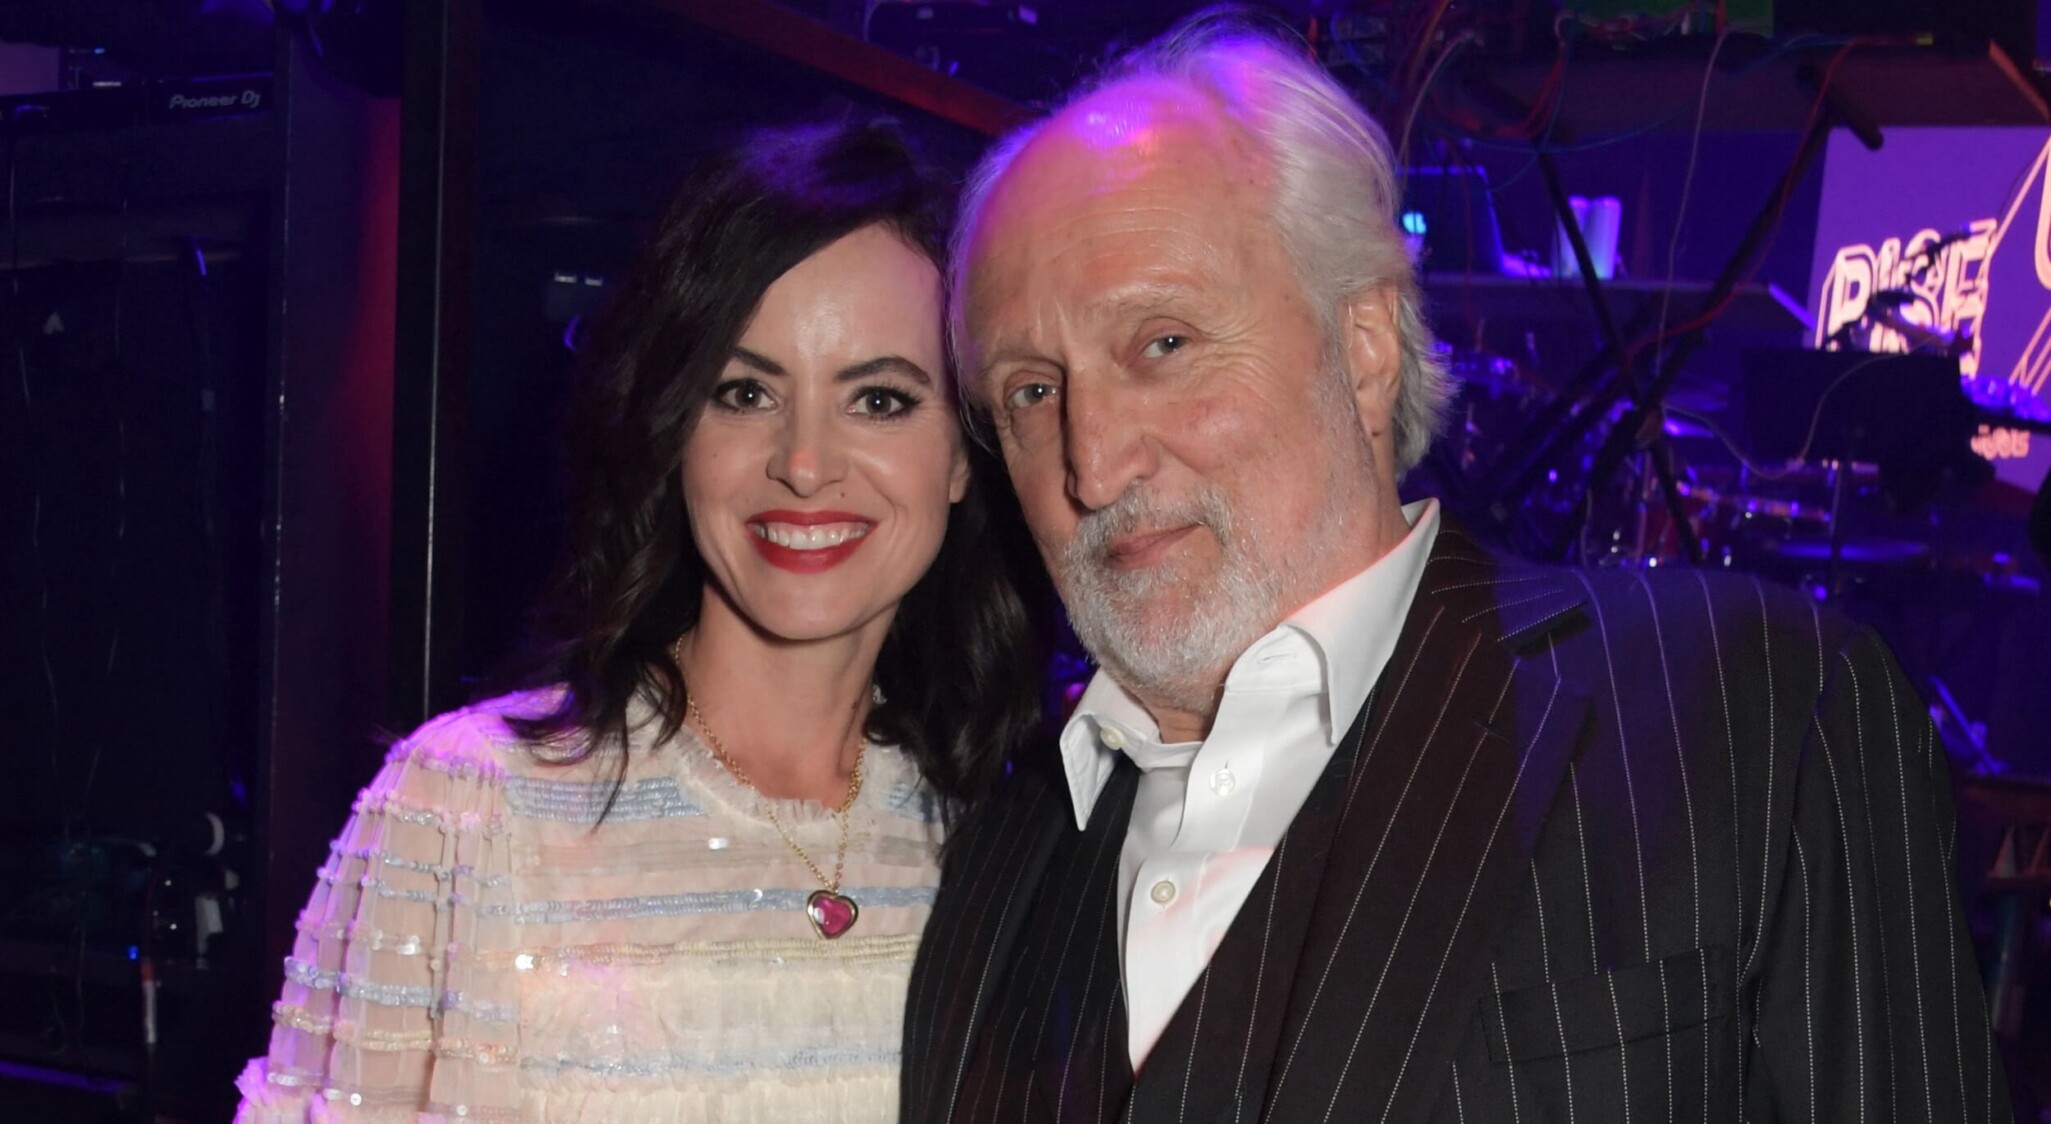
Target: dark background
(280,394)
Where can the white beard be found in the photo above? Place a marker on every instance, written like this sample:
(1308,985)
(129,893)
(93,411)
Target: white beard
(1181,660)
(1178,661)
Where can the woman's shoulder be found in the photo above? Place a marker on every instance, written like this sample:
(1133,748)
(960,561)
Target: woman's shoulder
(903,791)
(479,741)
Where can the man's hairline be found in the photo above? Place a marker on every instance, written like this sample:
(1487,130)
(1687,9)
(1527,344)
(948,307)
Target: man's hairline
(1325,306)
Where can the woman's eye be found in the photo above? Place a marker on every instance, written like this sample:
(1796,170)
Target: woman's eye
(1028,394)
(883,402)
(742,394)
(1164,347)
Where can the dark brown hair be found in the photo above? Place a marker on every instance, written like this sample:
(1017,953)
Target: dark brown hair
(960,669)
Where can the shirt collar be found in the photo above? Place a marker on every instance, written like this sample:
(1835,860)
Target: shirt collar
(1354,625)
(1353,628)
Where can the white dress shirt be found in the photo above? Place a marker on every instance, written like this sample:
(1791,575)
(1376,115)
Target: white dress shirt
(1208,814)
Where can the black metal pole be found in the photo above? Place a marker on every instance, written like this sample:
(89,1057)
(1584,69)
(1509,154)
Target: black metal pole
(437,228)
(323,645)
(1563,208)
(1613,348)
(1617,445)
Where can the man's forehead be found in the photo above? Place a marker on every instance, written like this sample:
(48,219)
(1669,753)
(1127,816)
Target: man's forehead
(1134,122)
(1124,190)
(1111,156)
(1120,135)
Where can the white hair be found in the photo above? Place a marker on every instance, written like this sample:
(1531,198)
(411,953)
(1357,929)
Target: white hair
(1335,200)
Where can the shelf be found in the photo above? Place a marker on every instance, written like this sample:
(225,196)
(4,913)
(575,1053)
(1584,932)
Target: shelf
(1756,308)
(1656,88)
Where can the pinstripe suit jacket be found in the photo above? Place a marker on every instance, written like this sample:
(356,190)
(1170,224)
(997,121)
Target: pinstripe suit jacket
(1600,846)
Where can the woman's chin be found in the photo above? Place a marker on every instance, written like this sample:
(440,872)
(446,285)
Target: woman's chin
(826,624)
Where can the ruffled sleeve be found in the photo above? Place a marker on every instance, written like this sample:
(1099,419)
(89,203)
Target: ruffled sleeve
(400,1002)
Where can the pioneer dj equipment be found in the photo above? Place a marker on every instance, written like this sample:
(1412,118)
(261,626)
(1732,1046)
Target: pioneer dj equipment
(157,102)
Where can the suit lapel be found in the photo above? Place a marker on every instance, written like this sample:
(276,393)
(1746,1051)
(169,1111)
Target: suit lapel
(1070,969)
(1519,607)
(1468,736)
(997,872)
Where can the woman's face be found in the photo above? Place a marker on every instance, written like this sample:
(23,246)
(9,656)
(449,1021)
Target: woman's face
(819,477)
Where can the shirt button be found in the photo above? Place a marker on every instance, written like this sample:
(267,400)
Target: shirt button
(1163,892)
(1223,782)
(1112,739)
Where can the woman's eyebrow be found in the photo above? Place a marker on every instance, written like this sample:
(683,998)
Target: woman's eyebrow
(869,368)
(761,363)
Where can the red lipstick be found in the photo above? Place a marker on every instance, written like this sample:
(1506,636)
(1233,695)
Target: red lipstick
(807,560)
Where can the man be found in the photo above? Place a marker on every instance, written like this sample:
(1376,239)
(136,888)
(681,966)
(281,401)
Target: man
(1358,822)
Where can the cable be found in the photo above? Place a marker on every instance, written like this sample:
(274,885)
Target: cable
(1417,101)
(1423,39)
(1540,104)
(1543,145)
(1779,208)
(1729,444)
(1673,245)
(1549,100)
(1815,420)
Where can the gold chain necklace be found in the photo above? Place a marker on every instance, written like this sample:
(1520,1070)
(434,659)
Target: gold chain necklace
(831,912)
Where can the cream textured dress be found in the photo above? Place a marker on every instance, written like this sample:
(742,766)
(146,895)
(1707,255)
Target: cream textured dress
(480,946)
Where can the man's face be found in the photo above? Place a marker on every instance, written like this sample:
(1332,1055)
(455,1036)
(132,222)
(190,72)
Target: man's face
(1188,442)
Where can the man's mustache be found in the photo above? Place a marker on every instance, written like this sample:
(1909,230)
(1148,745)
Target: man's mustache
(1140,510)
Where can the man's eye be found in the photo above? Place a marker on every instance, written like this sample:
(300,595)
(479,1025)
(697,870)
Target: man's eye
(742,394)
(1029,394)
(1164,347)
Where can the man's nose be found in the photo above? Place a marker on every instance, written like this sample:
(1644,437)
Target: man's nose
(808,456)
(1106,448)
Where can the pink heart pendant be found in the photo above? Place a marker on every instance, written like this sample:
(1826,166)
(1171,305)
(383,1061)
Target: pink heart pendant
(830,913)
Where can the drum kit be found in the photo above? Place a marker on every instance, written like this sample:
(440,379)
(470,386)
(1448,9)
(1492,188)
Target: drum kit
(1825,523)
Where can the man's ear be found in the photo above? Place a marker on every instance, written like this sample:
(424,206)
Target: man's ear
(1374,354)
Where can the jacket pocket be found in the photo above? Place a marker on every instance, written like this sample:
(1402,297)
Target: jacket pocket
(1608,1009)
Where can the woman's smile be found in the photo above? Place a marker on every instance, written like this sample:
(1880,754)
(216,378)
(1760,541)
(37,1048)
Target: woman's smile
(808,542)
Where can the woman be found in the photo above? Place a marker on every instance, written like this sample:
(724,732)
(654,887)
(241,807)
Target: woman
(682,876)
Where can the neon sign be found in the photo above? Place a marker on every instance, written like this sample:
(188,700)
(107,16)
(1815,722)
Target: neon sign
(1950,229)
